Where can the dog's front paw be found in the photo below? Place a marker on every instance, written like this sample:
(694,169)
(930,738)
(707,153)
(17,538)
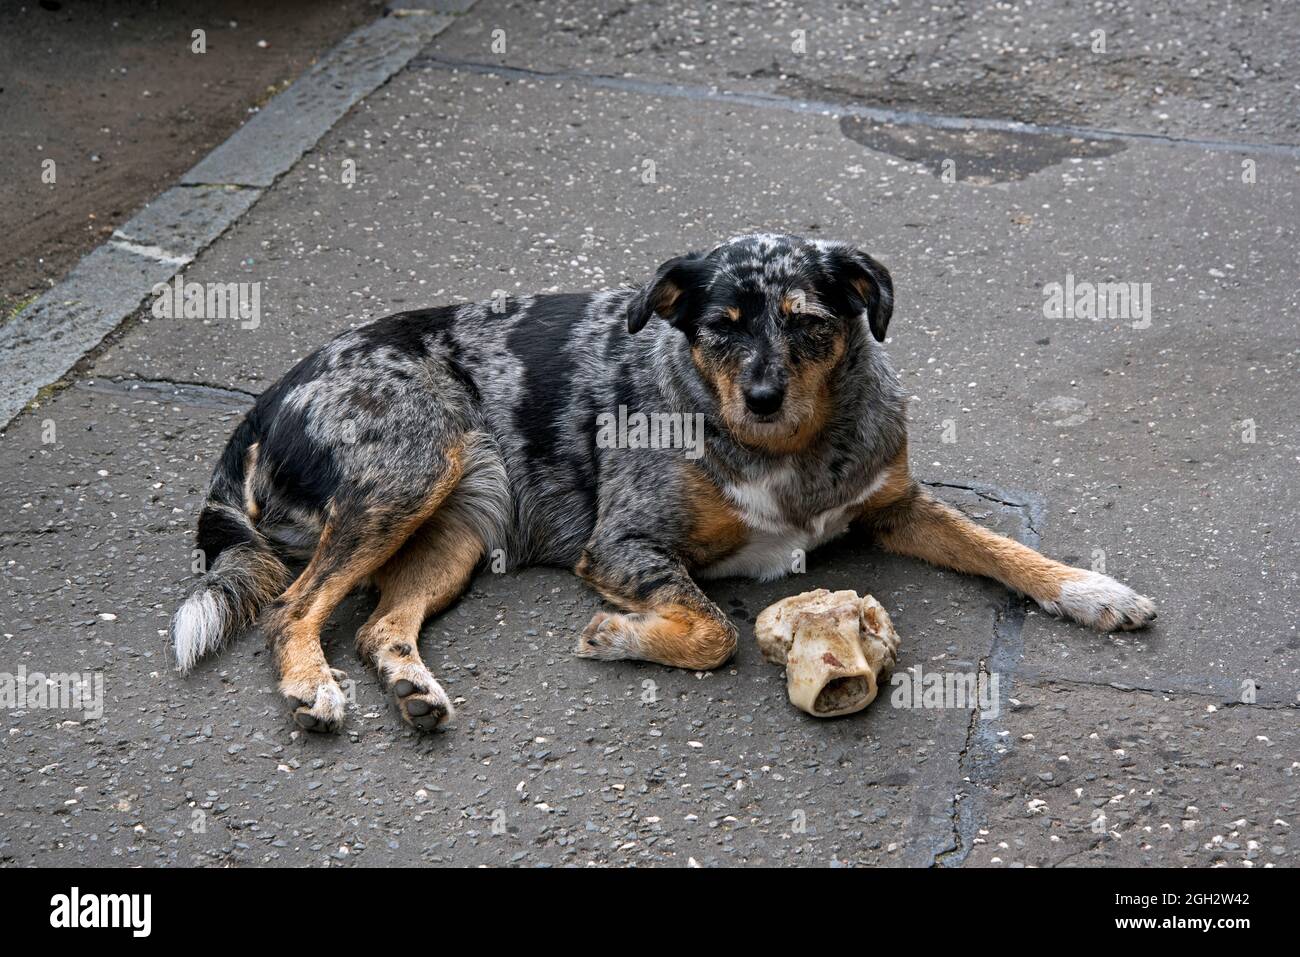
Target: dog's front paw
(318,703)
(607,638)
(423,703)
(1101,602)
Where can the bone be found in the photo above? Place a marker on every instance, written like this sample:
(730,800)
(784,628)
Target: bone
(836,647)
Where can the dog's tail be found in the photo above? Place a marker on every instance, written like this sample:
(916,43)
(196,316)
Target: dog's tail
(243,571)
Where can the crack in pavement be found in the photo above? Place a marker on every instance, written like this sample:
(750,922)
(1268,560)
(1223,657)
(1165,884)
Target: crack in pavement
(978,759)
(962,813)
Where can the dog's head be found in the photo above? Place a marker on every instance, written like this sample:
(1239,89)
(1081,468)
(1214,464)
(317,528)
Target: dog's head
(768,318)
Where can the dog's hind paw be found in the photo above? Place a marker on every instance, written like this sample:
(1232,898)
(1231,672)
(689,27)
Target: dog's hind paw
(423,703)
(1100,602)
(608,637)
(318,707)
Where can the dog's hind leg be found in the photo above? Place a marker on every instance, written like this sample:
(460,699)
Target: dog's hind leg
(907,520)
(426,575)
(668,620)
(365,525)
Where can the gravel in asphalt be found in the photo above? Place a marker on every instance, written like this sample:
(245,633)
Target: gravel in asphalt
(1165,452)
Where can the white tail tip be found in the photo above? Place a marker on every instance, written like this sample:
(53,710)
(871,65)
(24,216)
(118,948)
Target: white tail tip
(198,627)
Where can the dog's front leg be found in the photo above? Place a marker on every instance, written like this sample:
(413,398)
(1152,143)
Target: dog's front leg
(909,521)
(667,618)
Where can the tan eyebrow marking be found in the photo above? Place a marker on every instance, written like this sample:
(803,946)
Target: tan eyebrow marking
(733,313)
(800,302)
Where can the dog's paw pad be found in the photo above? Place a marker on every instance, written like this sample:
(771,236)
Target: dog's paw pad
(423,708)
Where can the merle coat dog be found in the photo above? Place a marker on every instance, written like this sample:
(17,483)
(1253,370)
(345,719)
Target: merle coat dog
(408,451)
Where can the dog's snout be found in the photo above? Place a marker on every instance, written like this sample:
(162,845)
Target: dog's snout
(764,398)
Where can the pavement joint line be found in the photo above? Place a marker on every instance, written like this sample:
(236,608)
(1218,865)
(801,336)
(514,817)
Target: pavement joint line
(42,343)
(1162,686)
(878,114)
(196,394)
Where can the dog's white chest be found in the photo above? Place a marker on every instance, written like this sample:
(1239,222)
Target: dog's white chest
(777,543)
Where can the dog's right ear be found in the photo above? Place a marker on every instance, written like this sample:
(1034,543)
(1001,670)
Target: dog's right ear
(674,294)
(865,286)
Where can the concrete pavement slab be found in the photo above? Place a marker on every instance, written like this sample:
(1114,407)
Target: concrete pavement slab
(1164,451)
(51,335)
(1096,777)
(43,342)
(185,219)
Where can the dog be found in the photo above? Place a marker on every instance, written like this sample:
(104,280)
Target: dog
(409,451)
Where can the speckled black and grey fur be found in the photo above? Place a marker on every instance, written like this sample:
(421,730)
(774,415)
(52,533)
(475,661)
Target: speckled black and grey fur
(461,434)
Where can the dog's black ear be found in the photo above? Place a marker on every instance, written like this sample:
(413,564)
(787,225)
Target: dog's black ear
(865,285)
(674,293)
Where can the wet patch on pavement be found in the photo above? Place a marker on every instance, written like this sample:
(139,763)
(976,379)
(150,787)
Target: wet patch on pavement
(981,157)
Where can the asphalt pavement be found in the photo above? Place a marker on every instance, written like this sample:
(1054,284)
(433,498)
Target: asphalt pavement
(577,145)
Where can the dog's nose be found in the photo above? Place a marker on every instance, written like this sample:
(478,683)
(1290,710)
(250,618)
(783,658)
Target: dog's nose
(764,398)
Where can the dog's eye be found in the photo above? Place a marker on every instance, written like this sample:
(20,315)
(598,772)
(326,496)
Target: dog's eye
(726,321)
(808,327)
